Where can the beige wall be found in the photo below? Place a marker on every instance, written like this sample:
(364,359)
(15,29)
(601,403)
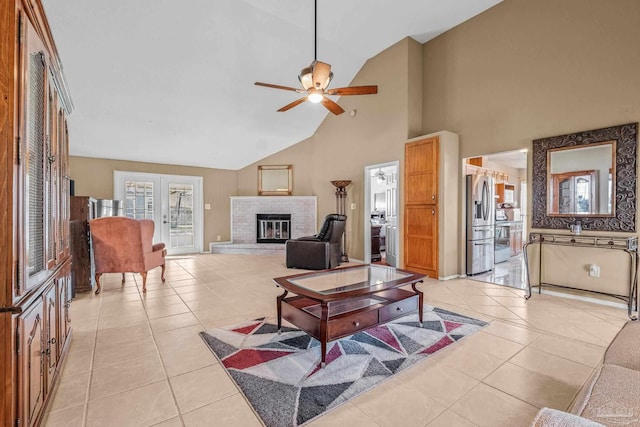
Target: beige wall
(530,69)
(94,177)
(344,145)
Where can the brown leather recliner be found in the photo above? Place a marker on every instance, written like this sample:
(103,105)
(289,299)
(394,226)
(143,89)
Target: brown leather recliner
(125,245)
(319,252)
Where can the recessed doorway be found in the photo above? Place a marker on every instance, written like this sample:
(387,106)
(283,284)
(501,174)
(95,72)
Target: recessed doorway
(509,172)
(381,237)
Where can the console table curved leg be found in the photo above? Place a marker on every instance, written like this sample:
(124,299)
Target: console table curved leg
(324,320)
(526,268)
(279,308)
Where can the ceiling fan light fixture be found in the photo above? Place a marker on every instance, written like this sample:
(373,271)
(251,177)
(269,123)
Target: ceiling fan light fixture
(306,77)
(315,95)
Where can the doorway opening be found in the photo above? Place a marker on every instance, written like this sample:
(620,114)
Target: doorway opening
(381,237)
(508,171)
(173,202)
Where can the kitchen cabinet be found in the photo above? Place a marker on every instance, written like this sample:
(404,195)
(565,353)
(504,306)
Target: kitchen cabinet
(505,193)
(35,328)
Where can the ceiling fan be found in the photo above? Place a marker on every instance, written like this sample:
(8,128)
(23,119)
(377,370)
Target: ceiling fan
(315,80)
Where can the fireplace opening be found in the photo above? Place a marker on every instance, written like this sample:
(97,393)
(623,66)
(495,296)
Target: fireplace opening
(273,228)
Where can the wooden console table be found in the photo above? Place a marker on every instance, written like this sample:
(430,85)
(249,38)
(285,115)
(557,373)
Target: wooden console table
(628,245)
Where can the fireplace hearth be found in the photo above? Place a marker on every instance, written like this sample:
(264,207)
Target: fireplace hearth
(273,228)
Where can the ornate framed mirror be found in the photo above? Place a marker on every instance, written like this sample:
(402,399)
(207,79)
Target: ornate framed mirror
(275,180)
(587,177)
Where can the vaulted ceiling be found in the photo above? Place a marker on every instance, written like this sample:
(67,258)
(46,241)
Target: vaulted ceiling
(168,81)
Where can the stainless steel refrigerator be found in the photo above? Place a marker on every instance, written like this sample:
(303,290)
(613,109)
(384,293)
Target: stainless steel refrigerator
(480,224)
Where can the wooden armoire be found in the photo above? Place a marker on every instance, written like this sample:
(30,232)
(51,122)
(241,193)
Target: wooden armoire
(431,205)
(35,262)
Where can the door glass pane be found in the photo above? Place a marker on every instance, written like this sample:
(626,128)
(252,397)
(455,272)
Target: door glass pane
(138,199)
(35,165)
(181,215)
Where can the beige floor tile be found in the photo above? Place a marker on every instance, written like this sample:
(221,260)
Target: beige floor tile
(210,301)
(189,289)
(497,311)
(169,310)
(344,415)
(109,355)
(208,317)
(486,406)
(586,354)
(82,340)
(182,359)
(183,282)
(124,319)
(471,362)
(162,301)
(173,422)
(450,419)
(158,293)
(442,383)
(77,362)
(169,323)
(179,337)
(201,292)
(394,404)
(563,370)
(233,411)
(492,345)
(534,388)
(126,376)
(71,391)
(517,334)
(143,406)
(511,301)
(201,387)
(68,417)
(122,335)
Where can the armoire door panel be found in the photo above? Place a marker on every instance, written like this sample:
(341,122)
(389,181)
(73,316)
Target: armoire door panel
(32,377)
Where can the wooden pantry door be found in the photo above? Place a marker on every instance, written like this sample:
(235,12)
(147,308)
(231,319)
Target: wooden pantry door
(421,206)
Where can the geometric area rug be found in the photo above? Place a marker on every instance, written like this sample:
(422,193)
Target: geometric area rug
(280,375)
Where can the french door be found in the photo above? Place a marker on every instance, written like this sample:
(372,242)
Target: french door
(173,202)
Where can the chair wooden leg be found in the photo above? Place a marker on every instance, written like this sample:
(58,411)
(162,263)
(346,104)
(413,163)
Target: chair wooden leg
(122,277)
(98,287)
(144,282)
(163,268)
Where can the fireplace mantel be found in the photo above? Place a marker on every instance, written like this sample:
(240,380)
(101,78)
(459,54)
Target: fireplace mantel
(303,210)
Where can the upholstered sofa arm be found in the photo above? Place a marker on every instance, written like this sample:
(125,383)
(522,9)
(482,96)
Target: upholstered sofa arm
(307,254)
(157,247)
(548,417)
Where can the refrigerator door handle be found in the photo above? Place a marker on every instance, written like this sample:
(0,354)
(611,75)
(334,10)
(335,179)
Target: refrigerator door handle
(485,197)
(483,244)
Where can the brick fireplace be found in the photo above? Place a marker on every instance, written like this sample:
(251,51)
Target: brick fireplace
(245,211)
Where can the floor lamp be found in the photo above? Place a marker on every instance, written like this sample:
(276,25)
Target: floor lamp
(341,199)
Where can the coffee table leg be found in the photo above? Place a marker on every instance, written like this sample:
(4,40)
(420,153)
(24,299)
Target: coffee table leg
(279,307)
(324,320)
(420,300)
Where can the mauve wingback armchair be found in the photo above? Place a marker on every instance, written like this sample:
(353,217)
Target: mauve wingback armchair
(319,252)
(125,245)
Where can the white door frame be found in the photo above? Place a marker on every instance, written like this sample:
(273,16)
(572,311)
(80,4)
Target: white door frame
(162,206)
(367,206)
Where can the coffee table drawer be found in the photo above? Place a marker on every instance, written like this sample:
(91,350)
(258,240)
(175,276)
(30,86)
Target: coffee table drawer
(352,324)
(398,308)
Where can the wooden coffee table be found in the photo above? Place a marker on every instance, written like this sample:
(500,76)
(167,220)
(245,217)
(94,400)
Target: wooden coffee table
(332,304)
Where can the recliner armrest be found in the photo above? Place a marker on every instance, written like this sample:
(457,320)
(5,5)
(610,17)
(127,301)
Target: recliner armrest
(308,254)
(157,247)
(308,239)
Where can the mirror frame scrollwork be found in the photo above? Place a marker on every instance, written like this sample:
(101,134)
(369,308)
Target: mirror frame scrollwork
(624,217)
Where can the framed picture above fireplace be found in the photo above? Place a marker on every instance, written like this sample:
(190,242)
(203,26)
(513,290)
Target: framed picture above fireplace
(275,180)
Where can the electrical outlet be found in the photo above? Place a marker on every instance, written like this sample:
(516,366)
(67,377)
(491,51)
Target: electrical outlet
(207,206)
(353,206)
(594,271)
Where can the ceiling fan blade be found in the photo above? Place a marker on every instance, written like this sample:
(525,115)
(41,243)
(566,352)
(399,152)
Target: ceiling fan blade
(332,106)
(321,74)
(279,87)
(353,90)
(293,104)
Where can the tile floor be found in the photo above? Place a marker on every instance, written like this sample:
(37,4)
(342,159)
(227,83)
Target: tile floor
(137,360)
